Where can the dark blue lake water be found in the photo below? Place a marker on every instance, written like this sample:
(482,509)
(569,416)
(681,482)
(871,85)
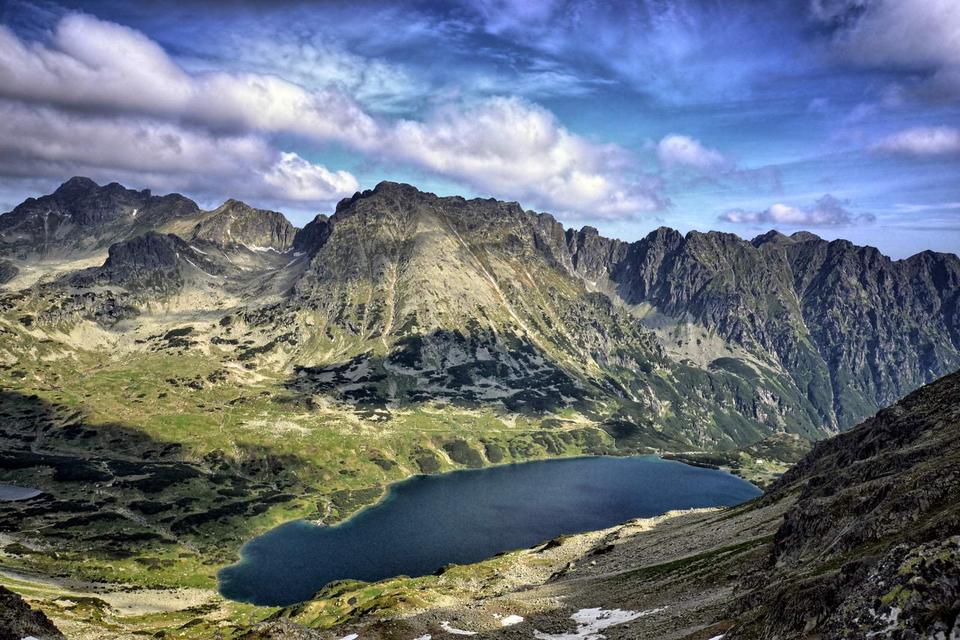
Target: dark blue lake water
(427,522)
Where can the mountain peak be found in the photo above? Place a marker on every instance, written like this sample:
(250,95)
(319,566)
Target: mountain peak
(233,203)
(236,222)
(76,185)
(771,236)
(804,236)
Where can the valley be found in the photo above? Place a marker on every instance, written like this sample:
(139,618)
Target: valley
(177,381)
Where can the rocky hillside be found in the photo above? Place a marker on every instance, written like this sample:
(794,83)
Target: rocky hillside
(872,544)
(81,216)
(18,620)
(402,299)
(853,329)
(237,223)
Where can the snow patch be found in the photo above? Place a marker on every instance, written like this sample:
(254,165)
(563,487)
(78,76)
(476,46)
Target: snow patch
(198,250)
(453,630)
(260,249)
(198,268)
(590,622)
(352,636)
(511,620)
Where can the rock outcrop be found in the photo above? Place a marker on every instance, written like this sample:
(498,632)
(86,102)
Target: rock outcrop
(872,545)
(18,620)
(237,223)
(8,271)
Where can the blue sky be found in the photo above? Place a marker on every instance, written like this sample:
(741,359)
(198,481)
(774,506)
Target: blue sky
(838,116)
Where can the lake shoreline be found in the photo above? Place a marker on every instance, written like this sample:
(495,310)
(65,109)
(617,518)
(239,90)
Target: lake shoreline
(530,502)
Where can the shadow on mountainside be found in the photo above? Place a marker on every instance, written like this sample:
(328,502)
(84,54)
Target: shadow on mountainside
(113,492)
(510,375)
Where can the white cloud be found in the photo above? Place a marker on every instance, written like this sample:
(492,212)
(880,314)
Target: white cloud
(826,212)
(512,147)
(301,180)
(505,146)
(913,35)
(921,142)
(93,64)
(677,150)
(44,141)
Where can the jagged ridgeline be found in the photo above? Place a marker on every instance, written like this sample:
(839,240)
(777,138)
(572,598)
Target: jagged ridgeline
(402,299)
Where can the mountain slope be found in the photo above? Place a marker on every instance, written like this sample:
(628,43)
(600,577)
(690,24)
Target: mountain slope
(860,539)
(702,341)
(237,223)
(872,544)
(851,327)
(81,216)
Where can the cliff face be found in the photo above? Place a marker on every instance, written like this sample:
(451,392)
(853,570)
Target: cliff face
(237,223)
(854,329)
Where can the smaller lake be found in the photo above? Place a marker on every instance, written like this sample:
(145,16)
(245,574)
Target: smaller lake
(426,522)
(11,493)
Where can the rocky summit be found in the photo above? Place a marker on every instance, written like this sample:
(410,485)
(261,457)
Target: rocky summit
(176,381)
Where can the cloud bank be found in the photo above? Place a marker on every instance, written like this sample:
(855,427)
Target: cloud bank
(825,212)
(921,142)
(94,75)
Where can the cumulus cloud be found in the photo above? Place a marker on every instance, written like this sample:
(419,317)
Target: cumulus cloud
(44,141)
(912,35)
(921,142)
(93,64)
(504,146)
(677,150)
(302,180)
(825,212)
(510,146)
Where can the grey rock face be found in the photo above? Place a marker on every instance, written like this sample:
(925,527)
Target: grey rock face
(872,545)
(81,215)
(854,329)
(237,223)
(8,271)
(149,265)
(313,235)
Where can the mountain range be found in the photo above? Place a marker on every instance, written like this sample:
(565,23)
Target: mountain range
(177,380)
(703,340)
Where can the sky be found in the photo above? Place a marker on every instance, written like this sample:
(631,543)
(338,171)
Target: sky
(841,117)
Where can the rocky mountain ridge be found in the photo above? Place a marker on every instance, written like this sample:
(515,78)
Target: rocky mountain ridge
(791,334)
(213,384)
(81,216)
